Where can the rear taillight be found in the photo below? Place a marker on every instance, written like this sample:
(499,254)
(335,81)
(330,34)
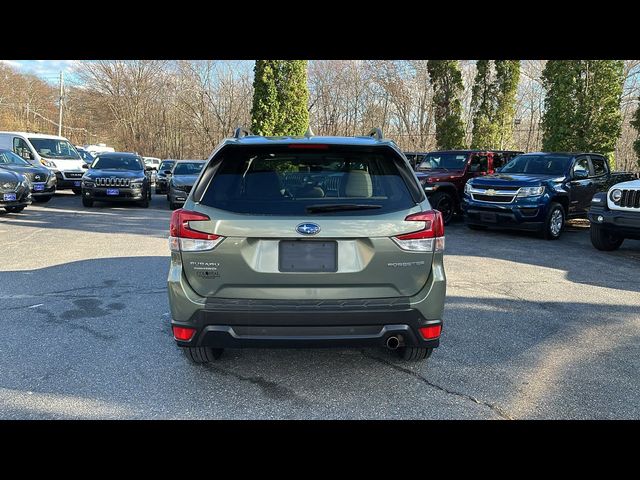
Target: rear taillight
(428,239)
(430,332)
(182,237)
(183,333)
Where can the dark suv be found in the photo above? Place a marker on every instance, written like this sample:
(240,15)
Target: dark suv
(42,180)
(117,177)
(444,174)
(306,241)
(183,175)
(162,177)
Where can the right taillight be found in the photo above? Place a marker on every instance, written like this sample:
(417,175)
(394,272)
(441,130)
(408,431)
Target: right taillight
(428,239)
(182,237)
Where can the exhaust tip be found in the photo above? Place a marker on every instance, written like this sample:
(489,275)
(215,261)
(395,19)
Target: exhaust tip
(393,343)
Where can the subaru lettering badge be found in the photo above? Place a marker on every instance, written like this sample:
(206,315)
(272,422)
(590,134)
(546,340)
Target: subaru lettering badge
(308,228)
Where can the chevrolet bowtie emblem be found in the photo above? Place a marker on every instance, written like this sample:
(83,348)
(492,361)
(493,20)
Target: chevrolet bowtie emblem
(491,191)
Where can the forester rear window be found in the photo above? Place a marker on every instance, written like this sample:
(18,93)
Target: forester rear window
(321,180)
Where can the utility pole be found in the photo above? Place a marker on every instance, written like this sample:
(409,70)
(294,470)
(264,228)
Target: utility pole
(61,97)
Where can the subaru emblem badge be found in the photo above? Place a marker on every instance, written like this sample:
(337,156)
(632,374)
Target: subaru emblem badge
(308,229)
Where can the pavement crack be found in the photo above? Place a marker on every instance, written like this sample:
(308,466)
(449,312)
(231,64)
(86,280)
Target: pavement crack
(494,408)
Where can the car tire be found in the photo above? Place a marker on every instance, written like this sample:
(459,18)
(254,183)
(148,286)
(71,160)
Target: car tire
(43,199)
(14,209)
(202,354)
(476,227)
(86,202)
(445,204)
(604,239)
(77,191)
(144,203)
(554,223)
(414,354)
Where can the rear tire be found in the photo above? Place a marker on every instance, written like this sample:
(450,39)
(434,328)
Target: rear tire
(43,199)
(414,354)
(554,223)
(14,209)
(445,204)
(77,191)
(202,354)
(603,239)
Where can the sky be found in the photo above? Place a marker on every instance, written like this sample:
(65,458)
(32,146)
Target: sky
(48,70)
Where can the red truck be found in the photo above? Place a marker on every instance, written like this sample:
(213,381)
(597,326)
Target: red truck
(444,174)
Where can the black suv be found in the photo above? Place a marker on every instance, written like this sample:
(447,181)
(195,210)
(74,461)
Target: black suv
(162,177)
(117,177)
(183,176)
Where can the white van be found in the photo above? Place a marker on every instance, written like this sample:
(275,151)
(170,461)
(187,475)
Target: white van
(98,148)
(52,151)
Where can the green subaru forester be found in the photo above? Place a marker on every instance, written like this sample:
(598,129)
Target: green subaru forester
(306,242)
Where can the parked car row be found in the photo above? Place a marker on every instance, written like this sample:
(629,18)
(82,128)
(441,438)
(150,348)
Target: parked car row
(528,191)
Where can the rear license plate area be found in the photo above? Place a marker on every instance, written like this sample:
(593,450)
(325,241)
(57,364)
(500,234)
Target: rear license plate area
(489,217)
(308,256)
(113,191)
(9,197)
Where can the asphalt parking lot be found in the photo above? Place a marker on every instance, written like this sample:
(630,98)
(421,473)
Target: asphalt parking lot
(533,329)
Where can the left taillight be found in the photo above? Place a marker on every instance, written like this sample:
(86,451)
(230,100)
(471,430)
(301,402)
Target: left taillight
(430,238)
(182,237)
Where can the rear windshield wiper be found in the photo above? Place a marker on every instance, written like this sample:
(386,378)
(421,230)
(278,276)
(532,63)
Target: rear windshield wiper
(339,207)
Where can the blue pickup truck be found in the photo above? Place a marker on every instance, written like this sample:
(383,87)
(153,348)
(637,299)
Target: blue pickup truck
(538,192)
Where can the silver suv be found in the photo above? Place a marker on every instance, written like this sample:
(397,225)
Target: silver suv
(306,242)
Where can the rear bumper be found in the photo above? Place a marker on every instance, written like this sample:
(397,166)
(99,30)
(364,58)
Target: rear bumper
(307,328)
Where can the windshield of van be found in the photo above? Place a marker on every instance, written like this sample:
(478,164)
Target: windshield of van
(538,165)
(55,149)
(286,181)
(7,157)
(443,161)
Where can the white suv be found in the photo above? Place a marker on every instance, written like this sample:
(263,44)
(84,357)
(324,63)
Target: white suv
(615,216)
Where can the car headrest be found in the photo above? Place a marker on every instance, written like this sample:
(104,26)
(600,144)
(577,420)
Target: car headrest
(358,184)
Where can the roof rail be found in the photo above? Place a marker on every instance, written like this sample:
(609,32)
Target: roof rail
(240,131)
(375,132)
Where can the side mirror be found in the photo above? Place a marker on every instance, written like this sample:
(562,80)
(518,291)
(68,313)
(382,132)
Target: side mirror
(27,155)
(147,168)
(85,165)
(580,174)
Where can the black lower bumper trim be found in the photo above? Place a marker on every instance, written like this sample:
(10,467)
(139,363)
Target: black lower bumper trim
(626,223)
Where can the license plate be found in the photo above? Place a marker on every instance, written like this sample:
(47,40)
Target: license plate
(113,191)
(489,217)
(308,256)
(38,187)
(9,197)
(77,183)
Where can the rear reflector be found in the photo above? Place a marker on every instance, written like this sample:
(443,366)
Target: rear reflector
(430,332)
(183,333)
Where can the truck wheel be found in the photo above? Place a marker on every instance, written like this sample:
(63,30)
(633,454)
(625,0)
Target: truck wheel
(603,239)
(202,354)
(414,354)
(554,222)
(445,203)
(87,202)
(77,191)
(14,209)
(43,199)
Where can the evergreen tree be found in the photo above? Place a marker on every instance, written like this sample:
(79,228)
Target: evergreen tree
(446,80)
(493,103)
(266,108)
(280,98)
(636,123)
(582,105)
